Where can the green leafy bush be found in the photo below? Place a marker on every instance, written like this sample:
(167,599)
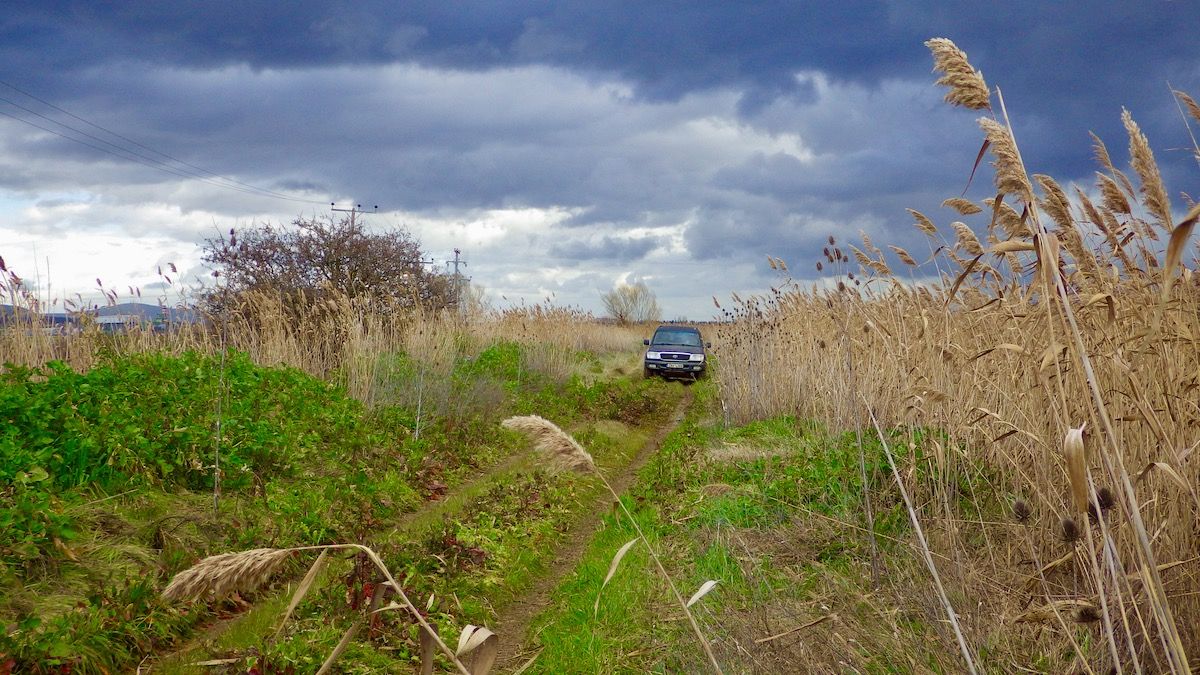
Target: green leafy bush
(153,418)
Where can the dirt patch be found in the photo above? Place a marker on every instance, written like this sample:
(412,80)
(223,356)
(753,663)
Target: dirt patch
(515,617)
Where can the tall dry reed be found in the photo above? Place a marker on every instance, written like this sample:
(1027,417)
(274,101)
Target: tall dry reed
(351,341)
(1079,319)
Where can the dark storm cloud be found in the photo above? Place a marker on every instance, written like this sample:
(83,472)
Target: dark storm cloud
(1057,61)
(752,128)
(1064,69)
(1055,56)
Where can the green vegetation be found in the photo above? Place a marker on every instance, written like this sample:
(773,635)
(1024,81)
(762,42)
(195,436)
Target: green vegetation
(767,510)
(109,474)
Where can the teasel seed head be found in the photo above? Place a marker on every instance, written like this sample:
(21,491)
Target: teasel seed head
(1021,511)
(1069,530)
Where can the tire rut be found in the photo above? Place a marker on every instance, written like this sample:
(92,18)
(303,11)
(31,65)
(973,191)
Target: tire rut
(516,616)
(517,613)
(208,632)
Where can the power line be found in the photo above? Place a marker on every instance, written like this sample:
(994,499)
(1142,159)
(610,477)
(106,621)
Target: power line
(131,155)
(132,159)
(144,147)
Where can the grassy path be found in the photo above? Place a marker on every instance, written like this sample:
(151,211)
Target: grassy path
(517,598)
(516,616)
(248,627)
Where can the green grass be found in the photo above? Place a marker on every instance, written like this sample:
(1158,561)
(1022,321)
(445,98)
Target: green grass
(769,511)
(475,556)
(574,636)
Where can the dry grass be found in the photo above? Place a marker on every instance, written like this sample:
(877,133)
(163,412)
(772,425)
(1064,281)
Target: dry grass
(336,338)
(556,447)
(1052,330)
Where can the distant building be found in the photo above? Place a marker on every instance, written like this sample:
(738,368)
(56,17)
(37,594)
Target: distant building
(110,319)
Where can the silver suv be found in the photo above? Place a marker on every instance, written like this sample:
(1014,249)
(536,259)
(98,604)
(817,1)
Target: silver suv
(675,351)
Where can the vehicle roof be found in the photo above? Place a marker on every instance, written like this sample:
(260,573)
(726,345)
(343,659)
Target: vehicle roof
(674,327)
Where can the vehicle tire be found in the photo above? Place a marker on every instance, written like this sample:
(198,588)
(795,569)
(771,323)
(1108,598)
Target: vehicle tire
(647,373)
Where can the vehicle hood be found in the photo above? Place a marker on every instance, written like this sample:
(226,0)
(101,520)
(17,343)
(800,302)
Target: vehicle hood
(678,349)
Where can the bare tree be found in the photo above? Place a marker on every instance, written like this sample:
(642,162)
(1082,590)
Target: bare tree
(475,300)
(632,303)
(323,256)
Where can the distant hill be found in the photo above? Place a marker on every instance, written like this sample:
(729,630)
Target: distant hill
(140,310)
(147,312)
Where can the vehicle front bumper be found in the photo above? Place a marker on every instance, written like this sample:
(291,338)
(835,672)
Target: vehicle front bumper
(675,368)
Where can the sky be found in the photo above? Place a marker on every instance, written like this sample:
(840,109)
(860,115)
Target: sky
(563,147)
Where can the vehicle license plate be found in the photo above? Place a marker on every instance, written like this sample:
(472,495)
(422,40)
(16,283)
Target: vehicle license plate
(674,365)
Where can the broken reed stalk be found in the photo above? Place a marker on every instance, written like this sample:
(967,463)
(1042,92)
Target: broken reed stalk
(916,523)
(565,453)
(245,570)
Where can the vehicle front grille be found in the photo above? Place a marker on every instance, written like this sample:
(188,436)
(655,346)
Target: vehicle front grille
(674,356)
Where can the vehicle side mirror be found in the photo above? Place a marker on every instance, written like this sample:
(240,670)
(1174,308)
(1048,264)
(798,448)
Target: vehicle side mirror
(708,345)
(646,341)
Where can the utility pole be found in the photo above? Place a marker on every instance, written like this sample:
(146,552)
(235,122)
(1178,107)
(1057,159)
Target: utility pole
(458,279)
(353,211)
(357,209)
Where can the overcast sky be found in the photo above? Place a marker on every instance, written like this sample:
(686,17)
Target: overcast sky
(563,146)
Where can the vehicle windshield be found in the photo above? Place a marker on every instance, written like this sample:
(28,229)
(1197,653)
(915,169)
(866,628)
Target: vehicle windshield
(683,338)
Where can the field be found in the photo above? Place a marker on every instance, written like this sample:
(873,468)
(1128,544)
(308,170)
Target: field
(984,463)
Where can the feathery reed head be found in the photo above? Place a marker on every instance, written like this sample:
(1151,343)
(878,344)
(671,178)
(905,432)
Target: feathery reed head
(1010,173)
(965,207)
(1114,199)
(1055,202)
(923,222)
(563,452)
(904,256)
(1007,218)
(966,238)
(1153,192)
(1192,106)
(218,575)
(967,88)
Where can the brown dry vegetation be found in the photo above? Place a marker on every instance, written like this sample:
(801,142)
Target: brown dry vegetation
(340,338)
(1074,309)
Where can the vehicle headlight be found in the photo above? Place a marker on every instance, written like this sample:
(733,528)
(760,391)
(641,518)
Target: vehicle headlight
(695,357)
(653,355)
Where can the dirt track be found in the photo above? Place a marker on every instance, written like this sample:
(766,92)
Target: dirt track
(515,617)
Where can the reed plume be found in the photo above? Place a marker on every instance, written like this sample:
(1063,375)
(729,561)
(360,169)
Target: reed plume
(557,447)
(967,87)
(219,575)
(1010,174)
(965,207)
(1154,194)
